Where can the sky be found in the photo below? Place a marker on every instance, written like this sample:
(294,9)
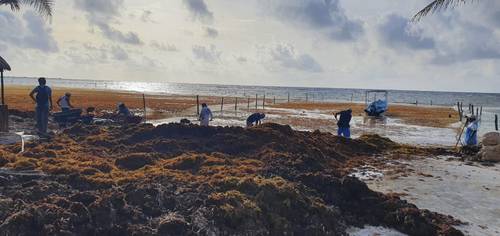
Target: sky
(300,43)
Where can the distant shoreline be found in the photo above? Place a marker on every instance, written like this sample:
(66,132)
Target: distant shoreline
(258,86)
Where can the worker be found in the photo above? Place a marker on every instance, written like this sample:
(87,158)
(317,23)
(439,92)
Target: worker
(205,115)
(43,102)
(123,110)
(471,131)
(255,118)
(64,102)
(343,123)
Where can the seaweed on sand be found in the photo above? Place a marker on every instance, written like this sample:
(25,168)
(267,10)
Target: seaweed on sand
(186,180)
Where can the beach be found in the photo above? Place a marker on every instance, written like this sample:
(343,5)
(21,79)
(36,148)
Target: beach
(416,124)
(249,118)
(257,180)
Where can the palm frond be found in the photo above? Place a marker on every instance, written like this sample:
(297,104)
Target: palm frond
(44,7)
(14,4)
(437,5)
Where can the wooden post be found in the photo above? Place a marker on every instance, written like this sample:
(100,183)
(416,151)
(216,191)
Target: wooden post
(144,106)
(352,96)
(264,102)
(307,97)
(222,105)
(248,105)
(460,114)
(256,99)
(288,97)
(236,104)
(274,100)
(416,103)
(481,113)
(4,118)
(3,91)
(197,105)
(431,102)
(477,113)
(496,122)
(472,109)
(4,110)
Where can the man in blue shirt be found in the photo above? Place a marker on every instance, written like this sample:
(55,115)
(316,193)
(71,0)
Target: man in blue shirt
(343,123)
(123,110)
(255,118)
(43,102)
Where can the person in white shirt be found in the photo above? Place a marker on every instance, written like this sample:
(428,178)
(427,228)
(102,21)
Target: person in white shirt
(205,115)
(64,102)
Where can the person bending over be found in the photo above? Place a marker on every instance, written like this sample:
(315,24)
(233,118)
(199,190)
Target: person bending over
(123,110)
(471,131)
(343,123)
(255,118)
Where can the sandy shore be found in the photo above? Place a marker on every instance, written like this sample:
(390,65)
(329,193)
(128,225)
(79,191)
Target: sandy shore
(164,106)
(158,106)
(431,116)
(410,124)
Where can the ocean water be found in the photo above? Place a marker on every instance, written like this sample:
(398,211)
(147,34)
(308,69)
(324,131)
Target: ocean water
(489,101)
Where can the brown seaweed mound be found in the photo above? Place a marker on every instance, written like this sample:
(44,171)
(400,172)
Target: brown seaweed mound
(185,180)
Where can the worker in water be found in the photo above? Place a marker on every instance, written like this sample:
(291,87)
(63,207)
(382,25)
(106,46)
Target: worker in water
(64,102)
(471,132)
(255,118)
(343,123)
(205,115)
(123,110)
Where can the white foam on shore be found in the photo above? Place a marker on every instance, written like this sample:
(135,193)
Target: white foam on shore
(366,173)
(468,193)
(373,230)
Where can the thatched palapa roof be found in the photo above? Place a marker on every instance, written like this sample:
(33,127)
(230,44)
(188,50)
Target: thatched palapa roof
(4,65)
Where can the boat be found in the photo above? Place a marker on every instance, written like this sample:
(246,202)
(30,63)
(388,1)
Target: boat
(376,107)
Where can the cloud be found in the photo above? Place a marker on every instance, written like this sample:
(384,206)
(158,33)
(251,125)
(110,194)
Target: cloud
(199,11)
(474,42)
(285,55)
(101,13)
(323,15)
(207,54)
(146,16)
(397,32)
(119,53)
(100,8)
(116,35)
(161,46)
(30,31)
(211,32)
(241,59)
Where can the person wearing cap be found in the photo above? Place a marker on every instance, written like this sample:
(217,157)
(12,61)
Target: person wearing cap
(343,123)
(205,115)
(255,118)
(471,132)
(64,102)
